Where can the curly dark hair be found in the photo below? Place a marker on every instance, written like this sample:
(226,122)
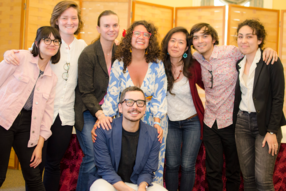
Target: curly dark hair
(123,51)
(209,30)
(257,28)
(165,57)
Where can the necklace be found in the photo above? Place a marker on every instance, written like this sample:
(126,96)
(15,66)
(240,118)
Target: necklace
(179,75)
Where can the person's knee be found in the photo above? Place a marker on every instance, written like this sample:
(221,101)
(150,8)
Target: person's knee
(101,185)
(264,182)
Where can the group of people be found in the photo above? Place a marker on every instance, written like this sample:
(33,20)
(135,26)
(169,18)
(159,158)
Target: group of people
(62,83)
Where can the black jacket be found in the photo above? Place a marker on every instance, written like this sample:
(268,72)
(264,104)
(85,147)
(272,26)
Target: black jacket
(93,81)
(268,96)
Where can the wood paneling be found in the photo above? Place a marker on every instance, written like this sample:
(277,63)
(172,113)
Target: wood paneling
(268,17)
(189,16)
(160,16)
(91,10)
(282,50)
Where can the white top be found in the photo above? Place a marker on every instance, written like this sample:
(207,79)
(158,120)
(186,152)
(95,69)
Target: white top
(180,105)
(65,90)
(246,103)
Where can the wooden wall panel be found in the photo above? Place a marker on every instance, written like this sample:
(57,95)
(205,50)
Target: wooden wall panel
(282,50)
(91,10)
(10,25)
(38,14)
(268,17)
(160,16)
(189,16)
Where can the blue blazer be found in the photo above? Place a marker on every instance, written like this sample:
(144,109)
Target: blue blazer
(107,151)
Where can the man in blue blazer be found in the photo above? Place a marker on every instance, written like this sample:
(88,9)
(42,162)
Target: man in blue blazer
(126,156)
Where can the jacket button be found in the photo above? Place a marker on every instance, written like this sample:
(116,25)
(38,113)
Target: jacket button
(36,103)
(35,118)
(33,131)
(32,144)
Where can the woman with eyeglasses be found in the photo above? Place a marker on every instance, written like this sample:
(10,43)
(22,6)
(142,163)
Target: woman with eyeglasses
(27,93)
(258,108)
(66,19)
(138,65)
(94,68)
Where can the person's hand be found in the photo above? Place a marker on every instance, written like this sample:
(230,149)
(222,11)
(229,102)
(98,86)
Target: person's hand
(160,132)
(271,140)
(142,186)
(116,42)
(141,189)
(104,122)
(268,55)
(11,58)
(36,158)
(93,134)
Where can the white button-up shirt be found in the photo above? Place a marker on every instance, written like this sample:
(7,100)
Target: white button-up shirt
(65,89)
(246,103)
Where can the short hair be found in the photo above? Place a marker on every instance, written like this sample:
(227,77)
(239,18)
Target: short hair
(130,89)
(60,8)
(209,30)
(45,32)
(105,13)
(257,29)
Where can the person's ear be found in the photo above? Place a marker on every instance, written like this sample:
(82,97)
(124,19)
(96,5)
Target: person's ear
(120,108)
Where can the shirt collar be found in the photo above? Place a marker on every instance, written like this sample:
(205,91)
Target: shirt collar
(48,69)
(65,45)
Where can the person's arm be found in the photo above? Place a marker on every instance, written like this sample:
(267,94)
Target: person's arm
(121,186)
(36,158)
(277,91)
(159,99)
(103,158)
(147,174)
(6,70)
(198,72)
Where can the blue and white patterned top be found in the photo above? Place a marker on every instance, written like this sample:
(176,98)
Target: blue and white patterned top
(154,84)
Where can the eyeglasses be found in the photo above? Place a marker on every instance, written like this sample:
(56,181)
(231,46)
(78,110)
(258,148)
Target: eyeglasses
(48,41)
(66,73)
(145,34)
(130,102)
(211,78)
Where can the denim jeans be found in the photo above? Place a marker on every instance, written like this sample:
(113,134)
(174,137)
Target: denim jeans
(256,164)
(87,166)
(186,133)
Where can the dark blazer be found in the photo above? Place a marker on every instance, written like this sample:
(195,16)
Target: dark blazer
(107,151)
(268,96)
(93,81)
(196,78)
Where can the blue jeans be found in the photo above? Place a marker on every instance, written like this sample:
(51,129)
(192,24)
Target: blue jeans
(256,164)
(87,166)
(186,133)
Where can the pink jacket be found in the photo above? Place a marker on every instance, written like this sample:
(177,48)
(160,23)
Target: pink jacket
(16,85)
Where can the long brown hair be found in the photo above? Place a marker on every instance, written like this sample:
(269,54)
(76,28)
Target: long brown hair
(188,61)
(123,51)
(60,8)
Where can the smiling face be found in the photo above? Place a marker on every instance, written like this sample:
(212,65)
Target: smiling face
(109,27)
(140,42)
(68,22)
(47,51)
(132,113)
(203,43)
(247,41)
(177,45)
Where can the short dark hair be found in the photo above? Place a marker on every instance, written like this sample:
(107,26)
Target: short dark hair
(45,32)
(105,13)
(130,89)
(209,30)
(257,29)
(188,61)
(61,7)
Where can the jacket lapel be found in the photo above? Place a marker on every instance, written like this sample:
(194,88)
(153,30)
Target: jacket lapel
(117,141)
(143,145)
(260,65)
(100,56)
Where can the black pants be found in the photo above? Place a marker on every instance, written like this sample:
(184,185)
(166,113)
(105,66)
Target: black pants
(17,137)
(56,147)
(218,142)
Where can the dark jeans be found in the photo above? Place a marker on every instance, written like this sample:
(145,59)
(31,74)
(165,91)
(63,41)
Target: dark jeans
(186,133)
(218,142)
(87,166)
(256,164)
(17,137)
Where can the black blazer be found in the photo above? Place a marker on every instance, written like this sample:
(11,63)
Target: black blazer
(268,96)
(93,81)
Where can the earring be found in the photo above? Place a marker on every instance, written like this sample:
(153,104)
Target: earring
(185,55)
(167,53)
(130,50)
(146,52)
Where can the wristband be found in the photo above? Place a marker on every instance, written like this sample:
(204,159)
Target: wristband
(157,123)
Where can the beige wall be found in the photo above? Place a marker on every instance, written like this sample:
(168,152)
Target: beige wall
(279,4)
(171,3)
